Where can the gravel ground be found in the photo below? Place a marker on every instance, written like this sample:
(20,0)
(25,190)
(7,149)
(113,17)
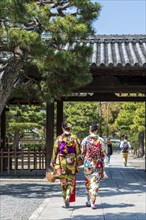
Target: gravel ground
(19,200)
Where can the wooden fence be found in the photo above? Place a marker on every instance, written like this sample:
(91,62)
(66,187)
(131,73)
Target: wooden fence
(22,162)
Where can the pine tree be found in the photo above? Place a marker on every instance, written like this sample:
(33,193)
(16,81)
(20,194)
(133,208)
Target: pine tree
(43,46)
(23,119)
(131,121)
(81,115)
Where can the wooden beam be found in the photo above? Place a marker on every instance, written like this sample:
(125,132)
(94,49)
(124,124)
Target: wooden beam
(103,97)
(49,133)
(21,101)
(3,129)
(3,144)
(145,135)
(116,84)
(119,71)
(59,117)
(130,89)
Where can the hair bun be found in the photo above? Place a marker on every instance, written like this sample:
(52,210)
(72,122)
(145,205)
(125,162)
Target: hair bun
(93,127)
(67,125)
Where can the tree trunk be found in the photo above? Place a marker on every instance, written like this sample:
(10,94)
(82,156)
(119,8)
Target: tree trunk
(16,139)
(8,76)
(140,151)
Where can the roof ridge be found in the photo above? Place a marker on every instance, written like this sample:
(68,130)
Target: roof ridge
(117,38)
(120,35)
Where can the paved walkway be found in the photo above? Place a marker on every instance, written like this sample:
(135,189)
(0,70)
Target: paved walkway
(121,197)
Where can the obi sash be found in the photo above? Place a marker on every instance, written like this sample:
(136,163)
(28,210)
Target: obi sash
(64,149)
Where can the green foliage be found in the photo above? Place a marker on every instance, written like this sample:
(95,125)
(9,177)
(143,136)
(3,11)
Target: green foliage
(131,121)
(25,119)
(18,36)
(22,125)
(110,111)
(139,117)
(81,115)
(62,61)
(123,119)
(33,146)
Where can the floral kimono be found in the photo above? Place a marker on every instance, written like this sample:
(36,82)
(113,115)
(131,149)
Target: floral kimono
(94,154)
(65,152)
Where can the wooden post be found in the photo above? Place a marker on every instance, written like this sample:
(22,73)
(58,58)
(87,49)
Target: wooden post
(3,137)
(59,117)
(3,129)
(145,135)
(49,133)
(100,122)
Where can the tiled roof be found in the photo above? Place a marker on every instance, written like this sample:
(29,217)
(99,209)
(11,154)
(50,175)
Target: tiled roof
(119,50)
(112,50)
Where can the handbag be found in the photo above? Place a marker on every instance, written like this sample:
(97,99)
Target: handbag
(51,176)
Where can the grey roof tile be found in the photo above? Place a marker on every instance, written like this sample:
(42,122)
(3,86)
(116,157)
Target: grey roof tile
(119,50)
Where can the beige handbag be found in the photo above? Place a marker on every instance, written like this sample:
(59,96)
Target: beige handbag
(51,176)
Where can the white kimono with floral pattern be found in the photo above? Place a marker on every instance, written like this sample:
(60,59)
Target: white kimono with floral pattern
(94,154)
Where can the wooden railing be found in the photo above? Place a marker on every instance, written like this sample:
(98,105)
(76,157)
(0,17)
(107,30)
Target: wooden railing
(22,162)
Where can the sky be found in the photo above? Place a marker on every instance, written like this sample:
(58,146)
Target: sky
(121,17)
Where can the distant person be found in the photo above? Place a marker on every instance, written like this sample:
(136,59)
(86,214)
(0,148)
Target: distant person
(65,152)
(94,154)
(109,151)
(125,146)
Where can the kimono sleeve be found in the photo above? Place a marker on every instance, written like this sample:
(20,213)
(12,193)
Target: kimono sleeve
(103,152)
(77,146)
(55,151)
(83,147)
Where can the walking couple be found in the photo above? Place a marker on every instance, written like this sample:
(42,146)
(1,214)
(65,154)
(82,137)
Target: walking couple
(66,152)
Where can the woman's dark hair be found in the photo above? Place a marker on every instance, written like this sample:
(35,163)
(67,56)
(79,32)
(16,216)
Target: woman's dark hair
(126,137)
(93,127)
(66,125)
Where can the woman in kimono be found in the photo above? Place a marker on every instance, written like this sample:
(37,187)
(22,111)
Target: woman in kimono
(94,154)
(64,159)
